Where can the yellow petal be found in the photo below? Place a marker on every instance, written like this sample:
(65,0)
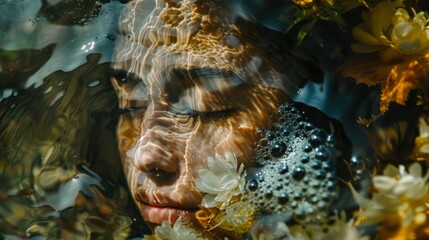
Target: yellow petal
(363,34)
(396,80)
(381,18)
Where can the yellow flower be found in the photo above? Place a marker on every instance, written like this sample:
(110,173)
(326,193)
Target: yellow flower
(389,25)
(399,44)
(237,218)
(303,3)
(410,35)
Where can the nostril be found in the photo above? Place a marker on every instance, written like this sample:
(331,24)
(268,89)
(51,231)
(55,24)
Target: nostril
(160,176)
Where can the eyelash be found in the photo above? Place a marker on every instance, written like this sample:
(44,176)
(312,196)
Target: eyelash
(211,115)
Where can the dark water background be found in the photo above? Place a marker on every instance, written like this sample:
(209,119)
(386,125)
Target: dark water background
(60,174)
(59,170)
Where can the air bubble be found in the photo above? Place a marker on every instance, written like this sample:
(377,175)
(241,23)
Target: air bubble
(322,153)
(278,148)
(330,139)
(331,186)
(316,165)
(263,142)
(308,148)
(283,198)
(320,175)
(270,135)
(297,197)
(298,173)
(331,176)
(283,168)
(308,126)
(305,159)
(252,185)
(269,195)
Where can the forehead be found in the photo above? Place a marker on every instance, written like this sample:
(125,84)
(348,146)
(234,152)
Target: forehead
(159,36)
(202,32)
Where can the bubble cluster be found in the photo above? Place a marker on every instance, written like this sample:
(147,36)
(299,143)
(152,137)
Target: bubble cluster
(298,168)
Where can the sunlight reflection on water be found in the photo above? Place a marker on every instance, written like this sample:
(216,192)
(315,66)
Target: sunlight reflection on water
(60,166)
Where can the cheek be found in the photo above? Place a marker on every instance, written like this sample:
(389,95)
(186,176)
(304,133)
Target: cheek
(240,141)
(236,135)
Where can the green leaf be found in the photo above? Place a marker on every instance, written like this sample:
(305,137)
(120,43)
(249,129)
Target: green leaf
(305,29)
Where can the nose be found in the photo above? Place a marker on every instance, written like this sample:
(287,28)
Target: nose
(155,156)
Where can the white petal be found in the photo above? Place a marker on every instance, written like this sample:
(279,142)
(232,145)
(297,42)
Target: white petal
(209,201)
(391,171)
(217,165)
(165,231)
(416,170)
(208,185)
(228,182)
(232,160)
(383,183)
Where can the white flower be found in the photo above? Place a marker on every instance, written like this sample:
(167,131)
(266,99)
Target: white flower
(398,182)
(422,141)
(177,232)
(423,128)
(238,214)
(221,181)
(401,196)
(274,230)
(236,218)
(341,229)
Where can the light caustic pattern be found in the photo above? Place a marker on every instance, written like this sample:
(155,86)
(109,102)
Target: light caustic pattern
(195,80)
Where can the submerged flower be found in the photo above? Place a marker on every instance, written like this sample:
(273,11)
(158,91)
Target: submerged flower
(339,229)
(237,218)
(221,181)
(401,43)
(422,141)
(396,79)
(176,232)
(400,200)
(398,182)
(389,25)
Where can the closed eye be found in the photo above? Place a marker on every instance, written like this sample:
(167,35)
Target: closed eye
(132,92)
(210,115)
(204,93)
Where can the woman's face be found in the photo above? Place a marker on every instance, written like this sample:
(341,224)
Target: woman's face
(192,88)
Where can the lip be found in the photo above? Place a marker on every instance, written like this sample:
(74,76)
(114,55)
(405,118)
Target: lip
(158,214)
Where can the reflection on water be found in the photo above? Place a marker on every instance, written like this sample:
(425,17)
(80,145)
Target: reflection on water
(193,82)
(59,170)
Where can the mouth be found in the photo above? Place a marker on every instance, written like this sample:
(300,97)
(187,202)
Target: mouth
(158,214)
